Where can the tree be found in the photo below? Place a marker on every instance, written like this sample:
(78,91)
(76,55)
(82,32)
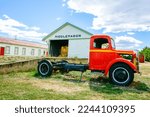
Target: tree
(146,53)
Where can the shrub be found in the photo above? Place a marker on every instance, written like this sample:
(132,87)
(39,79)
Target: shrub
(146,53)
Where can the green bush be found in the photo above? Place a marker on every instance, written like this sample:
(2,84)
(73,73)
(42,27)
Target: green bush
(146,53)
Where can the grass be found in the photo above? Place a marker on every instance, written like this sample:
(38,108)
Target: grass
(30,86)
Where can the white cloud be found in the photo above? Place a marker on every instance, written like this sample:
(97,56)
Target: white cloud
(35,28)
(63,4)
(58,18)
(15,28)
(115,16)
(5,16)
(126,42)
(130,33)
(7,21)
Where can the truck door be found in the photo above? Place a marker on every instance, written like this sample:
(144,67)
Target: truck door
(100,53)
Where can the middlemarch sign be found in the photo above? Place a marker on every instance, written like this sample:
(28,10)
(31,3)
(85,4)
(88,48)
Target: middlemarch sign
(68,36)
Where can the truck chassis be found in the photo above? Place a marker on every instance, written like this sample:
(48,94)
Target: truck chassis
(45,67)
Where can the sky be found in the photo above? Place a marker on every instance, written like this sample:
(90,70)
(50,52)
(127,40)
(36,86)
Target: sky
(127,21)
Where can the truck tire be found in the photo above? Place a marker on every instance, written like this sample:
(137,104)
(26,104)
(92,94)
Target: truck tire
(45,68)
(121,74)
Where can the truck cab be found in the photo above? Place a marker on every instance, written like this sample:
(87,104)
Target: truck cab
(103,57)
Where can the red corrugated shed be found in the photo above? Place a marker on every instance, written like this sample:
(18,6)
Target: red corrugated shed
(141,58)
(22,43)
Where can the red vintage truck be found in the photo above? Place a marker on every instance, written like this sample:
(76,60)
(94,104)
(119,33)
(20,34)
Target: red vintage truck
(103,58)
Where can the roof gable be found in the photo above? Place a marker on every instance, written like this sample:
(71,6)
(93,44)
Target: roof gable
(65,26)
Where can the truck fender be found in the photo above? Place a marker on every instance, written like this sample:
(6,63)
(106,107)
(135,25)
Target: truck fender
(119,60)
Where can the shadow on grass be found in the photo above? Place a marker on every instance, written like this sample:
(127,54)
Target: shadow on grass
(64,77)
(74,80)
(102,85)
(140,86)
(36,75)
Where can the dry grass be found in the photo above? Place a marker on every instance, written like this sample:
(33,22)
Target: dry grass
(18,68)
(28,85)
(145,69)
(12,59)
(57,86)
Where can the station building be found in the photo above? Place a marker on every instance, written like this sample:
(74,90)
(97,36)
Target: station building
(13,47)
(70,40)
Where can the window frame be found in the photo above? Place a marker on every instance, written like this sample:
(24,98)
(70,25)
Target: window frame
(32,52)
(113,43)
(39,52)
(7,50)
(16,50)
(23,51)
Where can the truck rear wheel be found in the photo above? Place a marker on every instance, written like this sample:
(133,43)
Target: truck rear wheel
(121,74)
(45,68)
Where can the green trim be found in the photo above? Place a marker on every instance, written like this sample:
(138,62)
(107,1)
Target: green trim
(67,23)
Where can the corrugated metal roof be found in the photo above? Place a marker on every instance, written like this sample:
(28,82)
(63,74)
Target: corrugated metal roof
(22,43)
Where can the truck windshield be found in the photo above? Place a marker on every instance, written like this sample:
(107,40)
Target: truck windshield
(113,43)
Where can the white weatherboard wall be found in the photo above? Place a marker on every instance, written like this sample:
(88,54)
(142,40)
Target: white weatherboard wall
(79,48)
(69,30)
(28,50)
(78,39)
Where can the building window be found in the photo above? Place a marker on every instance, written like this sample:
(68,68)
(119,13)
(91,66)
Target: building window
(23,51)
(16,51)
(39,52)
(32,52)
(7,50)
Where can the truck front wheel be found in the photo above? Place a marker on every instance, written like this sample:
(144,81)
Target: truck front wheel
(121,74)
(45,68)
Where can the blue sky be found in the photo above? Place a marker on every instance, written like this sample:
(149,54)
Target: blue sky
(126,21)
